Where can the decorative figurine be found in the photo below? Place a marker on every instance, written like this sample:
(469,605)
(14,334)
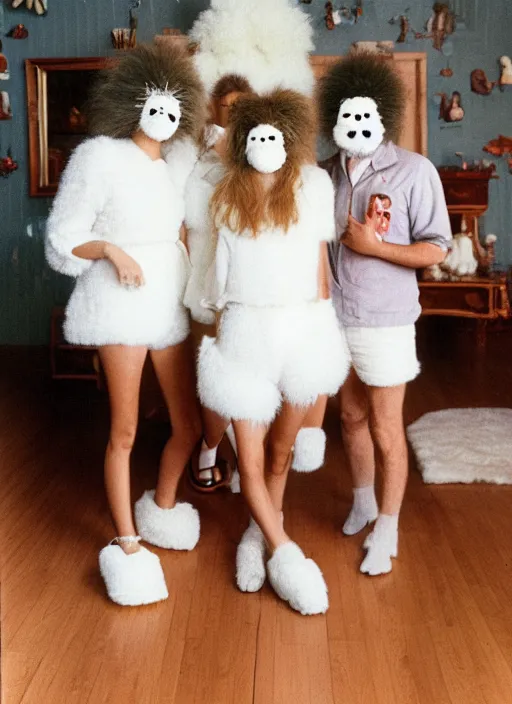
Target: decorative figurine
(18,32)
(439,26)
(345,15)
(480,83)
(383,47)
(4,66)
(500,146)
(40,7)
(451,110)
(7,165)
(5,106)
(405,25)
(506,72)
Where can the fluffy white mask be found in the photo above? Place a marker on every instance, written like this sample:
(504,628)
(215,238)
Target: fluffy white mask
(160,116)
(359,129)
(265,149)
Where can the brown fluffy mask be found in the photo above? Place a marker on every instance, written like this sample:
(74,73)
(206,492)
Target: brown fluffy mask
(363,74)
(240,201)
(114,105)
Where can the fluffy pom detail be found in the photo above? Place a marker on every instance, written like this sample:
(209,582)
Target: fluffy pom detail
(233,392)
(309,450)
(267,42)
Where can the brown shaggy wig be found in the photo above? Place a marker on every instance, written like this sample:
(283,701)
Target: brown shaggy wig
(240,201)
(363,74)
(116,100)
(231,83)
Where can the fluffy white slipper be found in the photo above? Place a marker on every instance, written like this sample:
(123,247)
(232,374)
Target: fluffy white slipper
(309,450)
(250,560)
(298,580)
(175,528)
(132,580)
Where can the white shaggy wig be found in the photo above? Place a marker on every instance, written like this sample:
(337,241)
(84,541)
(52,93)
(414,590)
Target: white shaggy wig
(268,42)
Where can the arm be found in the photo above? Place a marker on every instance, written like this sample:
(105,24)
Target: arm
(324,273)
(128,271)
(429,222)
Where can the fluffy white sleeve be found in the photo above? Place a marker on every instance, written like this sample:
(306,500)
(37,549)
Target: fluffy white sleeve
(319,191)
(217,276)
(79,200)
(181,156)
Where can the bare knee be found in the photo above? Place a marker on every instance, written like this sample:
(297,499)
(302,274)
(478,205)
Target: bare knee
(388,437)
(354,419)
(122,438)
(279,456)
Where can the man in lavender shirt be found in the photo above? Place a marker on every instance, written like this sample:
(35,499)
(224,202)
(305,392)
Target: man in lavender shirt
(391,220)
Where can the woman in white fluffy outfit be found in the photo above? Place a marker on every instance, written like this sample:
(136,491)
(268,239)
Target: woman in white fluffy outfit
(279,346)
(115,226)
(207,471)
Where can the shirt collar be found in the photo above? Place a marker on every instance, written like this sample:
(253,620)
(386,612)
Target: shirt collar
(385,155)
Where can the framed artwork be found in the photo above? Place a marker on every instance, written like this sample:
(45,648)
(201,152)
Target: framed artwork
(57,90)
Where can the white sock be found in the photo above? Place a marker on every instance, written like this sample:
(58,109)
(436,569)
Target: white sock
(230,432)
(382,545)
(207,459)
(364,510)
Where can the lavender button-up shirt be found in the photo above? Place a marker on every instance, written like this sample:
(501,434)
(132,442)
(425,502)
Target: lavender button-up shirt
(371,292)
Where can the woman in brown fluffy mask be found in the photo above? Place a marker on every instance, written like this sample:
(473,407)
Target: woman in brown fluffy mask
(279,347)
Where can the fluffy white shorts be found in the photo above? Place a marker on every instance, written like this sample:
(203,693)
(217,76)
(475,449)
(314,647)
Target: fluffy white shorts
(383,356)
(264,355)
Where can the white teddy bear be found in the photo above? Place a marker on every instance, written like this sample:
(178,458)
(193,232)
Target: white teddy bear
(39,6)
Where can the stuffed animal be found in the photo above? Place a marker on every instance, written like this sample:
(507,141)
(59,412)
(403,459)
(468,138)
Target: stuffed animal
(38,6)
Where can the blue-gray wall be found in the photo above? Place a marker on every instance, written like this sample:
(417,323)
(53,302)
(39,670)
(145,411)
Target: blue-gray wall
(81,28)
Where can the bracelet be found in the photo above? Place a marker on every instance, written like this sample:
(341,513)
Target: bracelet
(126,539)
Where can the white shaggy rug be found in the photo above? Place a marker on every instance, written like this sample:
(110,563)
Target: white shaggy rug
(464,445)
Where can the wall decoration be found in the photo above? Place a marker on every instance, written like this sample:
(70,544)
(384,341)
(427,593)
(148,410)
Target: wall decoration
(439,25)
(40,7)
(5,106)
(500,146)
(126,37)
(343,15)
(450,109)
(447,51)
(506,72)
(383,47)
(18,32)
(480,83)
(7,165)
(4,66)
(405,25)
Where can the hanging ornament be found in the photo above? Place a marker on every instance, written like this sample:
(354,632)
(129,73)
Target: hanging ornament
(18,32)
(4,66)
(40,7)
(5,106)
(7,165)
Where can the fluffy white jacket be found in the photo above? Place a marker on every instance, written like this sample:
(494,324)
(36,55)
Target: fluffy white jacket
(277,268)
(111,190)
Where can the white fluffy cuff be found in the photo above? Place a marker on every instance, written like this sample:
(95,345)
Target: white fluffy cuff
(309,450)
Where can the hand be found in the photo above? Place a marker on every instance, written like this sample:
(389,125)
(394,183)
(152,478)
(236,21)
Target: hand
(129,272)
(360,237)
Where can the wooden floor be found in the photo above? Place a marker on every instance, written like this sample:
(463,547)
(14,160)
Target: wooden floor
(438,630)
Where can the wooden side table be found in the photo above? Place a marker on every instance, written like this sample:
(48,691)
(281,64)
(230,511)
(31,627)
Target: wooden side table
(71,361)
(479,298)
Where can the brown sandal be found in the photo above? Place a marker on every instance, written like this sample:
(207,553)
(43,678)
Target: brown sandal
(220,473)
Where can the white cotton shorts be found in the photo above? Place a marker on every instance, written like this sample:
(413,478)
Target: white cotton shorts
(262,356)
(383,356)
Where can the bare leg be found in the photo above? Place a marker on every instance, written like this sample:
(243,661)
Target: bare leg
(214,427)
(174,367)
(315,414)
(250,440)
(281,438)
(388,433)
(355,431)
(123,369)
